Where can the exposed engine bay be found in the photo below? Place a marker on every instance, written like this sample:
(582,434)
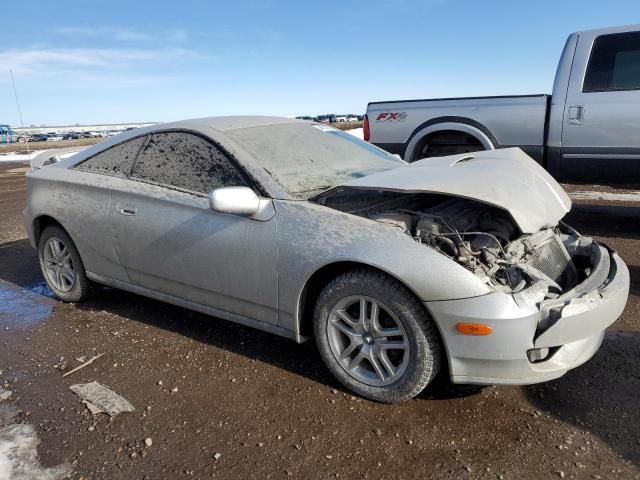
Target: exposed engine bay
(485,240)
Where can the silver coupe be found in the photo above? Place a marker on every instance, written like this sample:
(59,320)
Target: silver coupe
(459,265)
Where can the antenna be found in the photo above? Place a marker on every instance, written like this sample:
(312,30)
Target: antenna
(15,93)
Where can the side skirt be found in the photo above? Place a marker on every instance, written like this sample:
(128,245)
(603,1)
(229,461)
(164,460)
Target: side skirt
(214,312)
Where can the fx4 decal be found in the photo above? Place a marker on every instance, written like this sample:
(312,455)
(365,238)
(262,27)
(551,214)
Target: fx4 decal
(391,117)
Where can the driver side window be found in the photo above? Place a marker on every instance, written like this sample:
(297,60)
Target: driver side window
(188,162)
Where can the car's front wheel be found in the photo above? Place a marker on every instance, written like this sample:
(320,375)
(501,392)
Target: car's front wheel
(376,337)
(62,266)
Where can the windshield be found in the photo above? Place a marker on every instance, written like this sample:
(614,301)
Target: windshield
(306,158)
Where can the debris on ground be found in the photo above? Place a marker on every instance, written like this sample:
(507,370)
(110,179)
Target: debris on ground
(88,362)
(5,394)
(101,399)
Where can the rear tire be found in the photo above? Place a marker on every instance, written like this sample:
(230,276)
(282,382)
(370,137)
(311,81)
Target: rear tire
(393,358)
(62,266)
(445,143)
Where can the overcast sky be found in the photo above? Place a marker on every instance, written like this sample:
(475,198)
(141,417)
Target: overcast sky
(119,61)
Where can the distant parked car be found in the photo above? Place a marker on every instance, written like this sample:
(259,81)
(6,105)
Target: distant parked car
(72,135)
(340,118)
(39,137)
(352,118)
(54,137)
(90,134)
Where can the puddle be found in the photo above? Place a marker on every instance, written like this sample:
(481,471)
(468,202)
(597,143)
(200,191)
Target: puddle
(41,288)
(20,308)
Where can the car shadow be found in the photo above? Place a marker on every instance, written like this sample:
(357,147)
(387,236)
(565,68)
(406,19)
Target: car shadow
(600,396)
(19,266)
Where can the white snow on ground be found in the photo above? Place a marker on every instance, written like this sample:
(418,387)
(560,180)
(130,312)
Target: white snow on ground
(20,157)
(610,196)
(357,132)
(18,451)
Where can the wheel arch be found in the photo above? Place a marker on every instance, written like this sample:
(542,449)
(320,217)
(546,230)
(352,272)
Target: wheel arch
(41,222)
(323,275)
(447,124)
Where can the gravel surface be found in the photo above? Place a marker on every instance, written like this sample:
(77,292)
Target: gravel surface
(215,399)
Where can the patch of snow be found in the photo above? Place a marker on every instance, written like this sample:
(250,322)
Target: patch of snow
(610,196)
(20,157)
(18,451)
(356,132)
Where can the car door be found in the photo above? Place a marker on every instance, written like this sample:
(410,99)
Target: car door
(600,140)
(89,200)
(170,241)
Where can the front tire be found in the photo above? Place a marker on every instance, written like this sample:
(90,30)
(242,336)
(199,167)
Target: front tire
(375,336)
(62,266)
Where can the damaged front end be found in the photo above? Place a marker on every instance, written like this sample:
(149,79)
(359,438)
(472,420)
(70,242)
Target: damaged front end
(554,271)
(485,240)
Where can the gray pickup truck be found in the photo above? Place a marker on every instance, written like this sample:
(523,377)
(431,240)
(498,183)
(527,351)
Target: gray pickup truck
(587,130)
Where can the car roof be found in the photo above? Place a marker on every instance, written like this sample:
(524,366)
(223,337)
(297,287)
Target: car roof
(227,123)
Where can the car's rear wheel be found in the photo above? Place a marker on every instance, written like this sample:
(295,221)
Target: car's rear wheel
(376,337)
(62,266)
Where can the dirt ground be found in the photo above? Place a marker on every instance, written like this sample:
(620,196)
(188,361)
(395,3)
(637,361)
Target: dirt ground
(219,400)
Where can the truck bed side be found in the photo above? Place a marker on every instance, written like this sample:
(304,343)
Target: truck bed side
(404,126)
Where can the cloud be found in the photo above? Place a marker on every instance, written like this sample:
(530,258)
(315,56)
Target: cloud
(121,34)
(178,36)
(117,33)
(42,60)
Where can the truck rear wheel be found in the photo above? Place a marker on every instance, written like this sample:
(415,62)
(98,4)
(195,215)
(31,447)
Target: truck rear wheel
(444,143)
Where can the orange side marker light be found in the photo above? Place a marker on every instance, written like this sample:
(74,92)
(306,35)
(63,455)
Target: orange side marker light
(474,328)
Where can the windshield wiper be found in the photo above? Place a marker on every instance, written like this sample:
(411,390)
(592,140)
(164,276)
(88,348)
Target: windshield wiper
(319,189)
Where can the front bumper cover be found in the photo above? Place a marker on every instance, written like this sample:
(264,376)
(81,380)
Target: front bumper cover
(572,325)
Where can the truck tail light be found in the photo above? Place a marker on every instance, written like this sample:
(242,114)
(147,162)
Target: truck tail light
(367,134)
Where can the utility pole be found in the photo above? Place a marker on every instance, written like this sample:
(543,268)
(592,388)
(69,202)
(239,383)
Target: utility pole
(15,93)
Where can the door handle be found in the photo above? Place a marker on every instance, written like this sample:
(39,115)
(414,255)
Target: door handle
(128,210)
(576,115)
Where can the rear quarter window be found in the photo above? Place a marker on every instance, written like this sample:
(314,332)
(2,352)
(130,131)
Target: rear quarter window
(116,160)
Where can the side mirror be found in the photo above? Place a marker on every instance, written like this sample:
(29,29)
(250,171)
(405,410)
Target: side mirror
(235,200)
(241,201)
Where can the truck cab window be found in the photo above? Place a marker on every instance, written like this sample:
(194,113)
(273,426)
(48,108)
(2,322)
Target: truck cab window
(614,63)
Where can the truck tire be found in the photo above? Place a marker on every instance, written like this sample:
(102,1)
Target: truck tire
(440,144)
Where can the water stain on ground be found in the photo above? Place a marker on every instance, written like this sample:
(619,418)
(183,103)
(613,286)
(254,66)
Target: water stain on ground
(21,308)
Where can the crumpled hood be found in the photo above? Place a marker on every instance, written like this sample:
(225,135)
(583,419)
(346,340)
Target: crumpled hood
(506,178)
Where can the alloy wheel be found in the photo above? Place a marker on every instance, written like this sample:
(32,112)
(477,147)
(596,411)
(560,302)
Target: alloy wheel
(368,340)
(58,265)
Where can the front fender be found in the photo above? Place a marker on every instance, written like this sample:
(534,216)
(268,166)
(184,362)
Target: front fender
(311,236)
